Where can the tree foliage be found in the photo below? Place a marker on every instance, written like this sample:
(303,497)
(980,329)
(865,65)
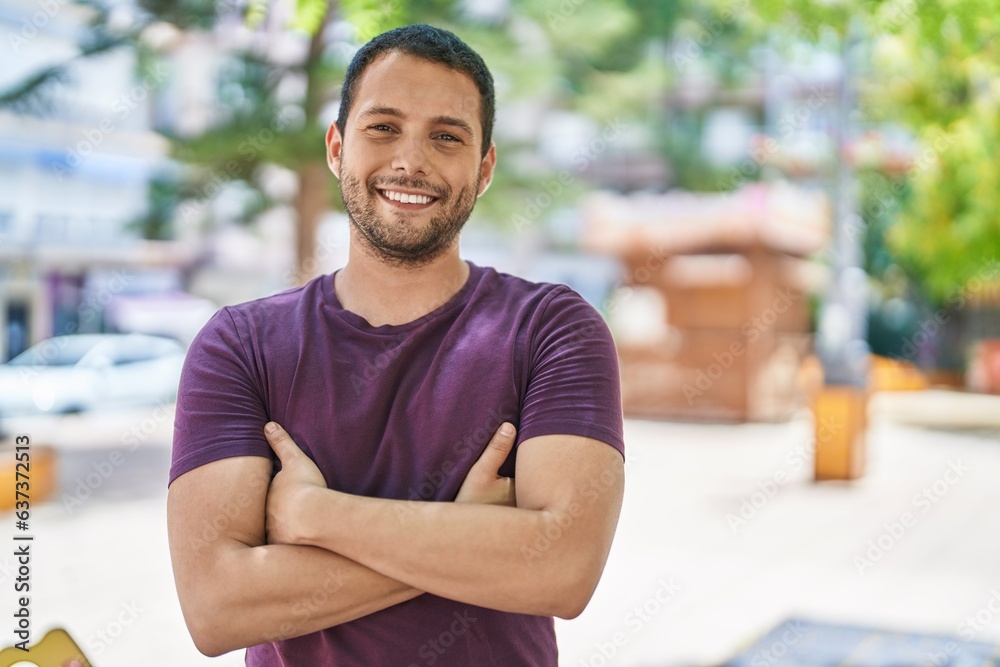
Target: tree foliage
(933,68)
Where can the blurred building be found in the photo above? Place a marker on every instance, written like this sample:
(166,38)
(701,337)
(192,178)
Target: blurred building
(74,165)
(713,322)
(77,162)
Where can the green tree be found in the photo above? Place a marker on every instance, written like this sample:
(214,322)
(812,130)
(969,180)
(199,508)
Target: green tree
(948,92)
(934,69)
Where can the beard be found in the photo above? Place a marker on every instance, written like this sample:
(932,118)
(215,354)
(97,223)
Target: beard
(398,240)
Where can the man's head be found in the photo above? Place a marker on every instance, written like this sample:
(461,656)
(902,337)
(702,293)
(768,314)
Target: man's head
(433,45)
(411,146)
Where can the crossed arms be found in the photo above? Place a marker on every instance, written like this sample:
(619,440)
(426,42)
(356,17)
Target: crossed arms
(251,555)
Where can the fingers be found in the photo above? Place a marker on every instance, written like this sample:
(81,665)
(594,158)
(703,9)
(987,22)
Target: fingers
(498,449)
(280,441)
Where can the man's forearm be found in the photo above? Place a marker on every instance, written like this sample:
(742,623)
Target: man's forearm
(275,592)
(543,557)
(478,554)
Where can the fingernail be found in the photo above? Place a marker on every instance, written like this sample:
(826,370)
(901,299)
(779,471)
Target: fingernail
(507,429)
(271,427)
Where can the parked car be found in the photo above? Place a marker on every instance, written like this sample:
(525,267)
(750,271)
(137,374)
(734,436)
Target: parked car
(77,373)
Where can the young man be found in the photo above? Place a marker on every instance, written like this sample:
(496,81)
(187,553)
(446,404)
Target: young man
(393,533)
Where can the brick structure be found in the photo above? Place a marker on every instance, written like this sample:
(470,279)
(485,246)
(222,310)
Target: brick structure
(731,273)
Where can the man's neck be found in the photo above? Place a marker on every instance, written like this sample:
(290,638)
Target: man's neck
(384,294)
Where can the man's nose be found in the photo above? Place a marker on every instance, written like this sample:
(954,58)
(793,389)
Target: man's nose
(411,157)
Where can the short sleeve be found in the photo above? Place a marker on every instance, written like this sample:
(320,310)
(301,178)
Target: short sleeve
(220,408)
(573,385)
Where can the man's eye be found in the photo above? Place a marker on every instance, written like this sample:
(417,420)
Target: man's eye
(448,137)
(380,127)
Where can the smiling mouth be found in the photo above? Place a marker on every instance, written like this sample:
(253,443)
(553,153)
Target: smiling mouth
(407,200)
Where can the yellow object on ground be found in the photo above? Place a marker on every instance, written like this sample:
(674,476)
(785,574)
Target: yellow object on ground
(840,415)
(894,375)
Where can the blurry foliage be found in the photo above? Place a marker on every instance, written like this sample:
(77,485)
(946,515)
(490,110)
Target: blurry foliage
(948,93)
(880,200)
(184,14)
(156,224)
(711,48)
(681,143)
(935,70)
(370,17)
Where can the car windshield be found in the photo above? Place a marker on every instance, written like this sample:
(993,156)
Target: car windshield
(58,351)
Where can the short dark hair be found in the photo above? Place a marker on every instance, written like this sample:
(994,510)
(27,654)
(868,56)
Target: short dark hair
(431,44)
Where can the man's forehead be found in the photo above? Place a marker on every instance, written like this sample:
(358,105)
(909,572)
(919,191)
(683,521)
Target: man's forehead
(417,86)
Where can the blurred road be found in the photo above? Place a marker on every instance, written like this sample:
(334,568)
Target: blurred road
(722,537)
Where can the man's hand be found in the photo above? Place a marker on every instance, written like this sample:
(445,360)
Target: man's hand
(297,477)
(483,485)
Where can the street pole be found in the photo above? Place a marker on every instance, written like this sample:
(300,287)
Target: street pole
(841,407)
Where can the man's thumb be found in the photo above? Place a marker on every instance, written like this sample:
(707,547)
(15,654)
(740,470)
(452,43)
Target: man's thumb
(277,438)
(499,447)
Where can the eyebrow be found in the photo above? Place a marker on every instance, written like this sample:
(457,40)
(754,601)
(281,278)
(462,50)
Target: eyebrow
(454,122)
(382,111)
(450,121)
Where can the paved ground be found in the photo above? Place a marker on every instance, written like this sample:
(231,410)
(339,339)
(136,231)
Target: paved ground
(690,580)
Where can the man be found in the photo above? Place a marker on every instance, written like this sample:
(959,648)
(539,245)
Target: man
(394,533)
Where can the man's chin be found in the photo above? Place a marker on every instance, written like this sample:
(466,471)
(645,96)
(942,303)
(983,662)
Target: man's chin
(405,258)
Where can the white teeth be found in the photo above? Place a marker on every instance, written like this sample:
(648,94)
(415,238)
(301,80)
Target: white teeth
(404,198)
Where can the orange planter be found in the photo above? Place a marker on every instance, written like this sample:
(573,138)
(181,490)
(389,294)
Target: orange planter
(840,417)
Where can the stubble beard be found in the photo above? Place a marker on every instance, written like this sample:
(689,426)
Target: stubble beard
(400,242)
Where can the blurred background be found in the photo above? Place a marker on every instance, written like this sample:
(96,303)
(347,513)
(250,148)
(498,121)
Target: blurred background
(788,212)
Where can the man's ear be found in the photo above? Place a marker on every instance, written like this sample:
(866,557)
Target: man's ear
(334,146)
(486,169)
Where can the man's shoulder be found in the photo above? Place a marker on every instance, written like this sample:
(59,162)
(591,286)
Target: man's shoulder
(523,290)
(283,303)
(539,301)
(311,292)
(276,314)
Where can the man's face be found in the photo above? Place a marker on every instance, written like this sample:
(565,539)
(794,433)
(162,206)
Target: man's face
(410,162)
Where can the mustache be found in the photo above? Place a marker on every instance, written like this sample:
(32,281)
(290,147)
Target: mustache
(411,183)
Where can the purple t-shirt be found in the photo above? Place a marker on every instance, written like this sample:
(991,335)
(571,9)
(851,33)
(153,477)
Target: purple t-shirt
(402,412)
